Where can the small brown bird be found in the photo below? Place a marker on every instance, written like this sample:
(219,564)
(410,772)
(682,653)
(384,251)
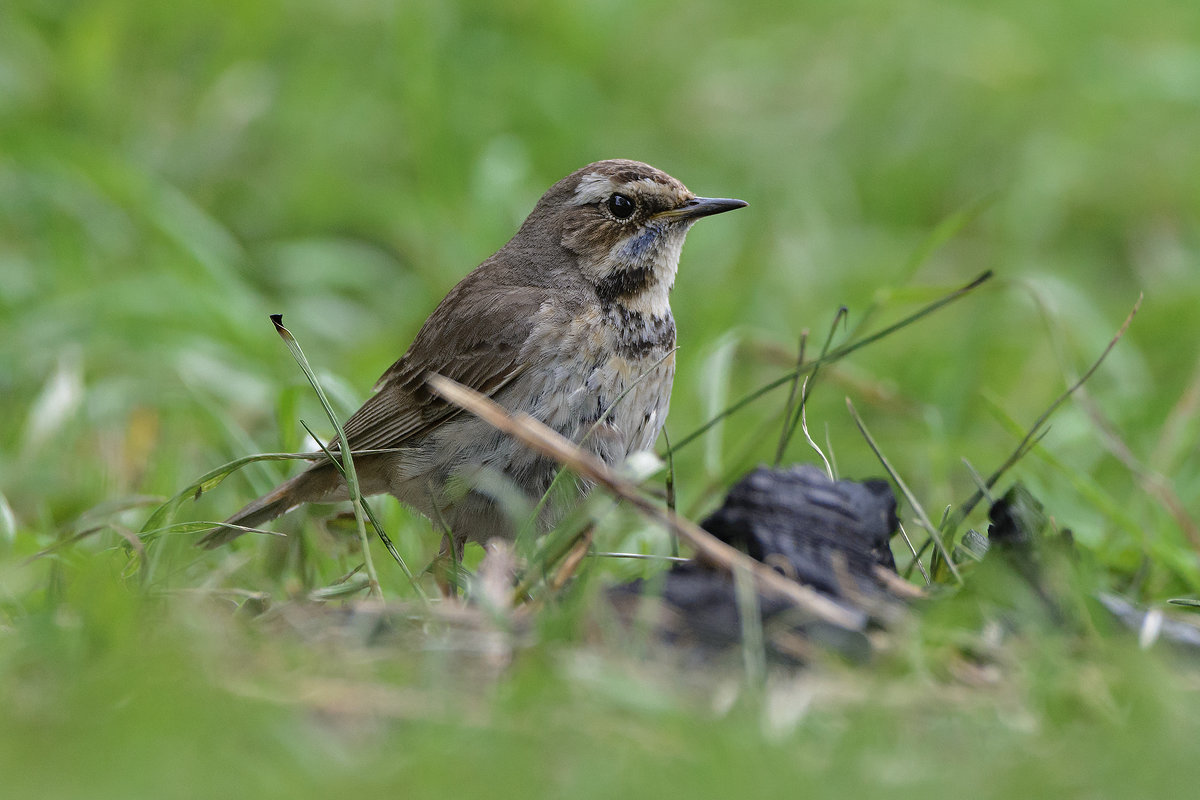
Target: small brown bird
(558,324)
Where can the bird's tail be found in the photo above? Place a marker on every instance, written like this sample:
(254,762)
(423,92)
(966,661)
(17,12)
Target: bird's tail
(314,485)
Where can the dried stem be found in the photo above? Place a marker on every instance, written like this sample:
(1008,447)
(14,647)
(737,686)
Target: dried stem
(538,437)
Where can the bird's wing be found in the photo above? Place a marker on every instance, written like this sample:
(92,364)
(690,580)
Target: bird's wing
(475,337)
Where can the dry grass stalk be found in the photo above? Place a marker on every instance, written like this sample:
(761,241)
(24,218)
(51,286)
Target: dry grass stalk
(542,439)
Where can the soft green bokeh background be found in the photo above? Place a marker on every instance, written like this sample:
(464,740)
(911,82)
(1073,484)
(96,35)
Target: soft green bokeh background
(170,174)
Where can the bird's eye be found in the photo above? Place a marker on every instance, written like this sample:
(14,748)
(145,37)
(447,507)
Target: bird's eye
(621,206)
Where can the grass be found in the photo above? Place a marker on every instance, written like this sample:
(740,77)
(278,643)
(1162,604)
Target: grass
(171,176)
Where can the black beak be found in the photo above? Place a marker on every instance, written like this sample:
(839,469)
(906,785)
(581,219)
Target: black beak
(703,207)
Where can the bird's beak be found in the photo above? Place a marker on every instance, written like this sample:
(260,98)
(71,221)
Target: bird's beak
(702,207)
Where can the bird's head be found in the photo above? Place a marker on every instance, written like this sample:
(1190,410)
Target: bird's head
(625,221)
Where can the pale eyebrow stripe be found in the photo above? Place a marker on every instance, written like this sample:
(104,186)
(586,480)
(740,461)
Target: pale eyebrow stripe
(596,186)
(592,188)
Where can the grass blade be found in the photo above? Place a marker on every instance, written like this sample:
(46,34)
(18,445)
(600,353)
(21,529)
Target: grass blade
(347,459)
(788,406)
(794,416)
(162,515)
(833,356)
(912,498)
(366,507)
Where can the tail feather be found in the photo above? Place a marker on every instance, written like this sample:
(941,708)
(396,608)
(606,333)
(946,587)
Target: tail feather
(314,485)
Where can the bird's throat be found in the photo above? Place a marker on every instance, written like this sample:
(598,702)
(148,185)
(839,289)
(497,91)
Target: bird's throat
(640,271)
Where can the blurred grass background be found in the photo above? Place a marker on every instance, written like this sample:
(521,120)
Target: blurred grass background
(170,174)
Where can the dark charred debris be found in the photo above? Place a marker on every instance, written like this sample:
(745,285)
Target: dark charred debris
(829,535)
(834,535)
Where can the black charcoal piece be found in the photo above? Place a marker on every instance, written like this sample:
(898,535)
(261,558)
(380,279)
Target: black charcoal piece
(832,536)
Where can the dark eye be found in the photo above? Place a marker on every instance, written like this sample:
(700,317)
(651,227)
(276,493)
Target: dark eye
(621,206)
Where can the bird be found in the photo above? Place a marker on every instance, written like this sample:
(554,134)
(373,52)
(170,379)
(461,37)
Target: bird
(569,322)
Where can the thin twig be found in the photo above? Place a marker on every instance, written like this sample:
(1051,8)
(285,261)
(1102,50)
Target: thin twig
(537,436)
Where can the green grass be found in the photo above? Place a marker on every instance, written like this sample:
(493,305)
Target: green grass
(171,174)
